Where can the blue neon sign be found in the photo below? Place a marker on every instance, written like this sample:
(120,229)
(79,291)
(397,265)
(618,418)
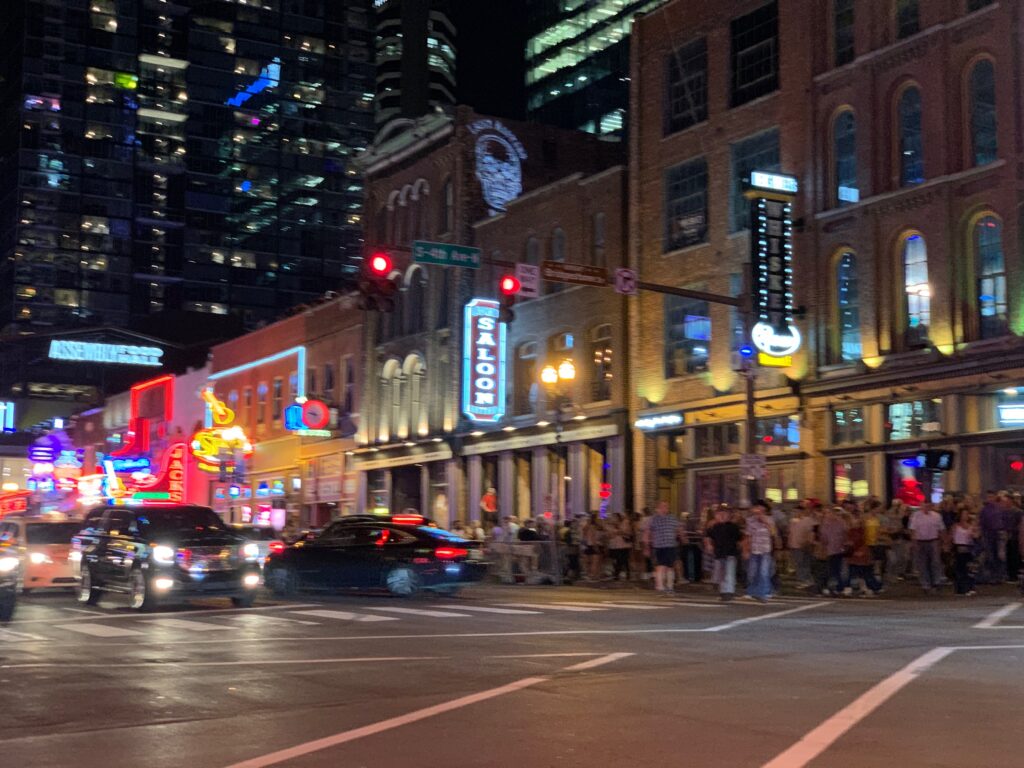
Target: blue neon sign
(270,77)
(483,373)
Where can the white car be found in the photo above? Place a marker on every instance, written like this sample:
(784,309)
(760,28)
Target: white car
(265,538)
(42,546)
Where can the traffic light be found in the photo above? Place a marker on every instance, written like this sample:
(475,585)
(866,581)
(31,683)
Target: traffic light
(376,287)
(508,287)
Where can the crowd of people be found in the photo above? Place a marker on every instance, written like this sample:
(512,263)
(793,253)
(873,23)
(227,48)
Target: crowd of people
(855,547)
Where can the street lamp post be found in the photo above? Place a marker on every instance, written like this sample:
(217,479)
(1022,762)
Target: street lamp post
(557,379)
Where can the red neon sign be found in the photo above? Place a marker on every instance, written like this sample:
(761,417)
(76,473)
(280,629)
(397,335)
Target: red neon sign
(137,443)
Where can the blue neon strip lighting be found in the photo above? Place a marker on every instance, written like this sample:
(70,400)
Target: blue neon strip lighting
(300,367)
(270,77)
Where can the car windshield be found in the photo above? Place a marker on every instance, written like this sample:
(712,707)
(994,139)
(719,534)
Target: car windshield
(51,533)
(439,533)
(157,522)
(256,533)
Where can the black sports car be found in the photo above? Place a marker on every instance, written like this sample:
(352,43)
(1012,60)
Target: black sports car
(401,554)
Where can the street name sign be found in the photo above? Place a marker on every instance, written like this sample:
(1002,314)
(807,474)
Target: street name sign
(445,254)
(577,274)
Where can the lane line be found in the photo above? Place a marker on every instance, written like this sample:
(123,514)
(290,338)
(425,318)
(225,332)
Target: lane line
(82,610)
(989,647)
(599,662)
(262,618)
(990,621)
(488,609)
(421,612)
(609,604)
(191,626)
(245,663)
(545,655)
(206,612)
(345,615)
(17,637)
(826,734)
(412,717)
(98,630)
(764,616)
(556,607)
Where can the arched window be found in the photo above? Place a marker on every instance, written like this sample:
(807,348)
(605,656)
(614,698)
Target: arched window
(598,236)
(844,158)
(415,374)
(525,377)
(447,206)
(983,113)
(990,268)
(848,308)
(601,357)
(386,413)
(916,290)
(399,424)
(911,157)
(557,254)
(907,18)
(532,250)
(414,303)
(422,227)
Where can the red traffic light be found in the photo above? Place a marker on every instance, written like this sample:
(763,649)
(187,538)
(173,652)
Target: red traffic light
(380,265)
(606,491)
(1017,465)
(509,285)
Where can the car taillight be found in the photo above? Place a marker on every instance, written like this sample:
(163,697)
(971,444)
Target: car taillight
(407,519)
(276,546)
(450,553)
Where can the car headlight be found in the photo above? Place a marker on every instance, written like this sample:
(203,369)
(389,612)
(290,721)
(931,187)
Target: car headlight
(8,564)
(250,551)
(163,554)
(75,556)
(39,558)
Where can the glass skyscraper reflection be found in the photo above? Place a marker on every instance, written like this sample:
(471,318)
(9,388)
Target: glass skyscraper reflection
(179,155)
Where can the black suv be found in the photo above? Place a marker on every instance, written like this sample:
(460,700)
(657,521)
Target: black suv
(163,554)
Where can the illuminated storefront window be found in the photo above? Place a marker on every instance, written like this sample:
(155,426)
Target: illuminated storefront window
(913,419)
(849,479)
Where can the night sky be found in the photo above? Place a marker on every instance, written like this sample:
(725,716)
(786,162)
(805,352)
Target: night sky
(492,40)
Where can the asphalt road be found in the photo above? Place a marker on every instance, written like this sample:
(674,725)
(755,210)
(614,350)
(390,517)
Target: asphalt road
(515,676)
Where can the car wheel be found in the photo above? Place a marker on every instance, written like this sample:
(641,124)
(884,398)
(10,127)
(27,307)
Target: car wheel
(403,581)
(283,582)
(245,601)
(7,599)
(87,591)
(140,596)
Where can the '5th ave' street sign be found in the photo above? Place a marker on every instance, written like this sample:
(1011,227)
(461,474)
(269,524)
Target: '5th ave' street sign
(445,254)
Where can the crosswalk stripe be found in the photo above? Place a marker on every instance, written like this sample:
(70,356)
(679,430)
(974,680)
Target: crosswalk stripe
(626,606)
(98,630)
(345,615)
(487,609)
(421,612)
(17,637)
(557,607)
(262,618)
(191,626)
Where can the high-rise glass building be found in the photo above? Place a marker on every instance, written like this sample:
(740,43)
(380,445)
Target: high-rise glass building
(577,62)
(166,155)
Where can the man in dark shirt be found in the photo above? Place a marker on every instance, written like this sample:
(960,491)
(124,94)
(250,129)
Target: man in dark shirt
(992,522)
(725,538)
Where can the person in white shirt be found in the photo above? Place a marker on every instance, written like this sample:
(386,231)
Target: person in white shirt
(927,528)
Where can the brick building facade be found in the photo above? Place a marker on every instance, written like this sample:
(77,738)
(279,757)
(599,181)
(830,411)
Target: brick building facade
(901,123)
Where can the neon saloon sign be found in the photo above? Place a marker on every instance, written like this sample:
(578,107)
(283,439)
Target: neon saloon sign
(483,376)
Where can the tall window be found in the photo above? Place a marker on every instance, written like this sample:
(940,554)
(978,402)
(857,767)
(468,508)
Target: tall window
(532,250)
(247,400)
(417,413)
(977,5)
(842,29)
(687,86)
(847,426)
(916,418)
(687,336)
(907,18)
(983,113)
(348,377)
(755,54)
(276,401)
(398,428)
(261,403)
(525,378)
(844,158)
(447,206)
(329,379)
(597,224)
(557,254)
(686,204)
(848,306)
(311,389)
(414,303)
(910,148)
(756,153)
(601,356)
(917,291)
(990,266)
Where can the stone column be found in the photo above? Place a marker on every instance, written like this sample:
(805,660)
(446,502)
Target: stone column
(474,489)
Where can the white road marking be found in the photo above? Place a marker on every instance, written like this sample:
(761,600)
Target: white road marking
(191,626)
(544,655)
(763,616)
(82,610)
(488,609)
(98,630)
(992,620)
(250,663)
(412,717)
(556,607)
(421,612)
(205,612)
(262,618)
(345,615)
(17,637)
(626,606)
(597,662)
(826,734)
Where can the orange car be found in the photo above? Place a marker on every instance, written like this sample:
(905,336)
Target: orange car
(42,546)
